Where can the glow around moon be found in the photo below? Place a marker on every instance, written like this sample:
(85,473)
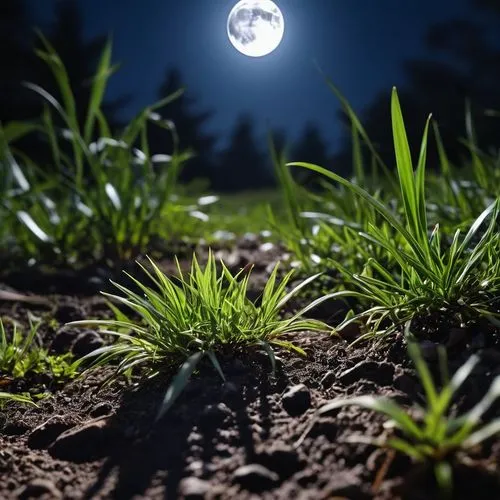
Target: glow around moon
(255,27)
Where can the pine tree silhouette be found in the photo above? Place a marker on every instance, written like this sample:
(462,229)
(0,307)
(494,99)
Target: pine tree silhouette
(310,148)
(17,62)
(80,57)
(463,65)
(242,164)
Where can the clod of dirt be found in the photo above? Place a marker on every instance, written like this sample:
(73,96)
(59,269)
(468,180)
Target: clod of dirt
(214,415)
(405,383)
(255,478)
(85,442)
(296,400)
(45,434)
(324,427)
(193,488)
(14,428)
(281,459)
(69,312)
(41,489)
(64,338)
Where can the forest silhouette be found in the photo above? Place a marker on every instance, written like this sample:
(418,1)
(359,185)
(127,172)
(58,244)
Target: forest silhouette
(460,72)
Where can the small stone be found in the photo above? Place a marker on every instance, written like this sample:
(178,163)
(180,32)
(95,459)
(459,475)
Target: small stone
(86,342)
(85,442)
(328,379)
(255,478)
(215,414)
(101,410)
(193,488)
(38,488)
(296,400)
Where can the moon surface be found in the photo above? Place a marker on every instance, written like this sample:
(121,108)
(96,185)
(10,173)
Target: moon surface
(255,27)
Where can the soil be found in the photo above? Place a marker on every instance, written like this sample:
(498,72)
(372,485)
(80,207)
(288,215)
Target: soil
(234,440)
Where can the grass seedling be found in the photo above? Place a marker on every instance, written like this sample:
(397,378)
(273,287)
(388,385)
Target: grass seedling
(196,316)
(7,397)
(21,355)
(429,435)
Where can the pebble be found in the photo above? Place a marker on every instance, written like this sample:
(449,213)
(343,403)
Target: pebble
(296,400)
(255,478)
(101,410)
(328,379)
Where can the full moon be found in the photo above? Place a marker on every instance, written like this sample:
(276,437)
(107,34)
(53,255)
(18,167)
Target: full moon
(255,27)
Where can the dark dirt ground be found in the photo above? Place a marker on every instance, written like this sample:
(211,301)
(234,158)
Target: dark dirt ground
(235,439)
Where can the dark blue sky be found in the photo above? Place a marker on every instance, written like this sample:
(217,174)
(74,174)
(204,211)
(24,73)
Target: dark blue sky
(358,43)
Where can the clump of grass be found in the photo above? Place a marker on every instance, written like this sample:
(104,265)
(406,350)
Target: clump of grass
(429,435)
(103,196)
(420,271)
(196,316)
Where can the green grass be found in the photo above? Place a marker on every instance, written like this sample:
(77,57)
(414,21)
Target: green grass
(197,316)
(417,270)
(430,434)
(103,195)
(21,355)
(7,397)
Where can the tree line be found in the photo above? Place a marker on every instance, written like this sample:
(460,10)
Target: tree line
(462,66)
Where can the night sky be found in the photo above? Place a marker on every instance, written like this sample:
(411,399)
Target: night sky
(358,43)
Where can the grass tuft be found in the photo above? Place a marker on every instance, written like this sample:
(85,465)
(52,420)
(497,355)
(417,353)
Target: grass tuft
(194,316)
